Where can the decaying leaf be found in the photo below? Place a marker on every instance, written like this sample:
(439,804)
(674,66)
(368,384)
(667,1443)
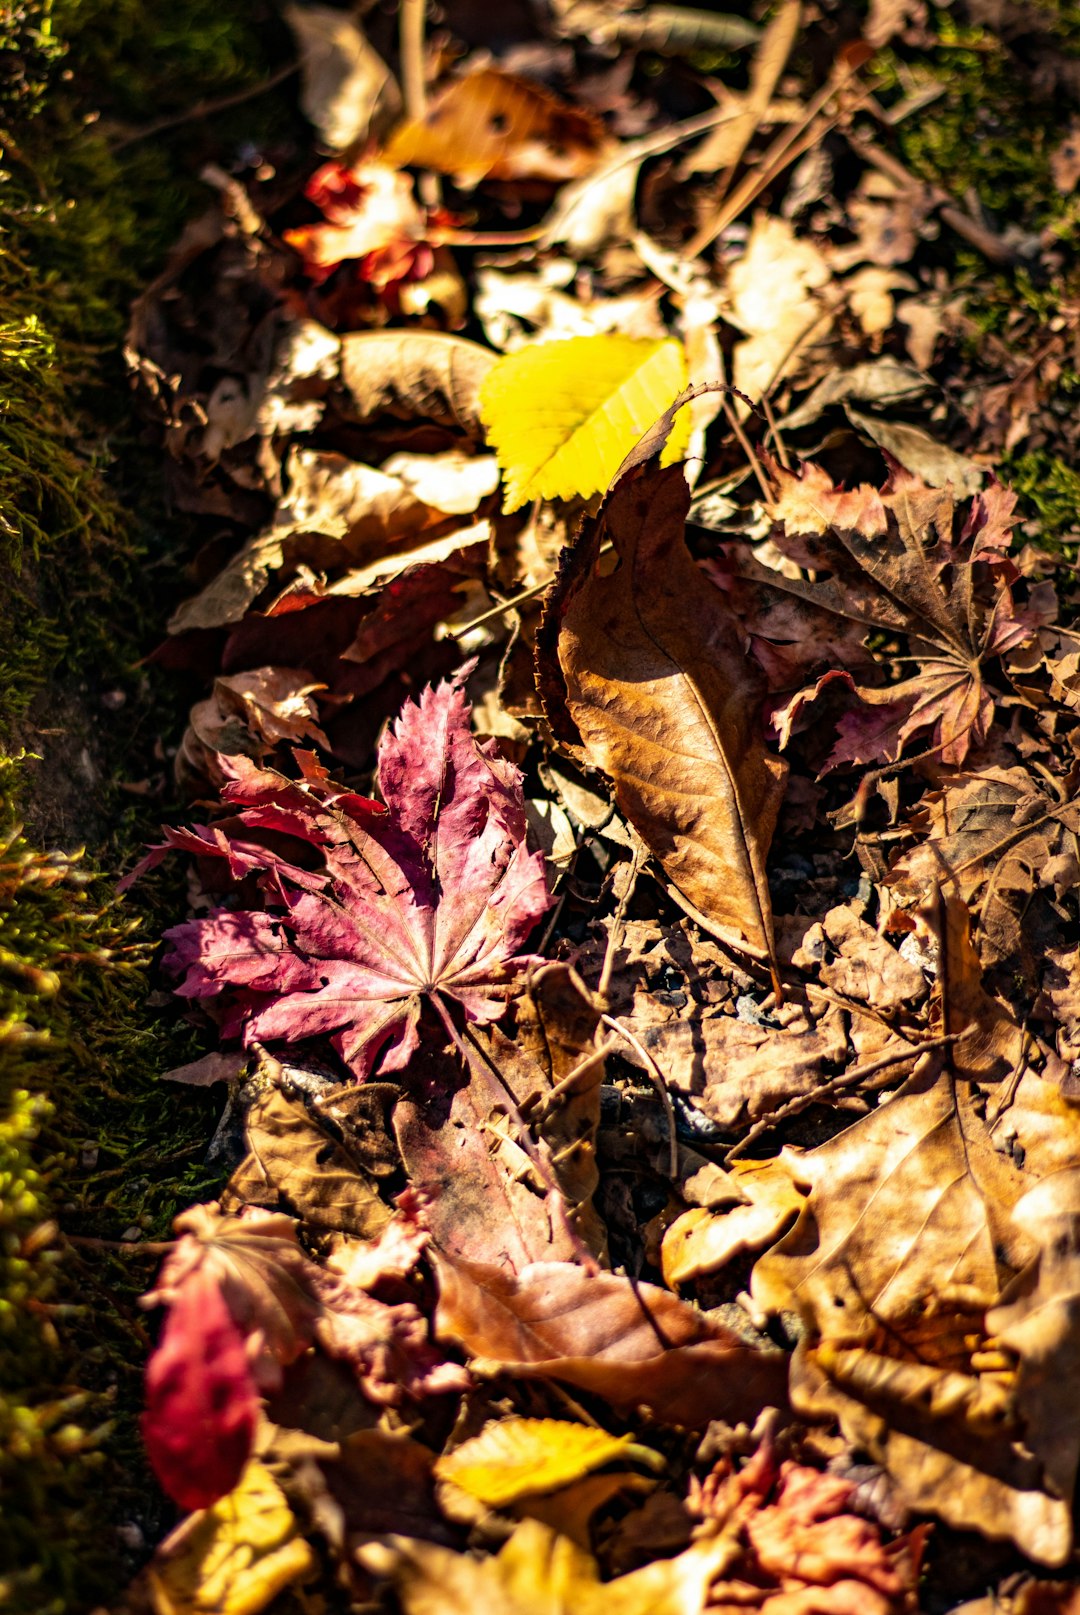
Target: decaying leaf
(562,416)
(234,1558)
(665,701)
(901,561)
(416,373)
(804,1548)
(494,125)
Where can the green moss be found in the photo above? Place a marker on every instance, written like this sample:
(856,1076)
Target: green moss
(91,1142)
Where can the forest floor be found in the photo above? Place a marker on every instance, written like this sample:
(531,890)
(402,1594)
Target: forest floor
(587,582)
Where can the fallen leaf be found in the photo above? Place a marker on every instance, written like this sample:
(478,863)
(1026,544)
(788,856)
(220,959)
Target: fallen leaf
(371,218)
(632,1343)
(426,900)
(345,84)
(666,703)
(515,1458)
(773,292)
(901,561)
(426,374)
(202,1404)
(906,1240)
(247,714)
(540,1573)
(302,1163)
(805,1551)
(562,416)
(234,1558)
(703,1241)
(495,125)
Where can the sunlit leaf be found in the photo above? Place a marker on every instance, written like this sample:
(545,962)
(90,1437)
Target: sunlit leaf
(562,416)
(518,1457)
(234,1558)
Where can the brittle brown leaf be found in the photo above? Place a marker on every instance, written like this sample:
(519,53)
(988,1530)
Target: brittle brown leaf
(632,1343)
(666,703)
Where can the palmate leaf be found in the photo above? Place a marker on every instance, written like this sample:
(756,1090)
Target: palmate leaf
(562,416)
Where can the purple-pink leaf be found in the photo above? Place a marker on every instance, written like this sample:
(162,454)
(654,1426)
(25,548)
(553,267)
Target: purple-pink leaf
(430,898)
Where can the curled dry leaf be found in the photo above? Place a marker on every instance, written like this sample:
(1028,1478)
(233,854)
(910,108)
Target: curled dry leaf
(804,1551)
(657,683)
(634,1344)
(426,900)
(765,1198)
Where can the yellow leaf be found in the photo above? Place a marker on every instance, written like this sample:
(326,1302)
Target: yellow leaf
(519,1457)
(562,416)
(234,1558)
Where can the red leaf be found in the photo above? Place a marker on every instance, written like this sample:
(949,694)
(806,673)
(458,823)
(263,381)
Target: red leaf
(430,900)
(201,1400)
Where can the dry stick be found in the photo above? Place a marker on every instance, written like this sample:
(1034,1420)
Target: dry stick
(583,1067)
(207,109)
(783,151)
(985,241)
(657,1075)
(774,432)
(768,491)
(615,935)
(414,88)
(149,1247)
(846,1079)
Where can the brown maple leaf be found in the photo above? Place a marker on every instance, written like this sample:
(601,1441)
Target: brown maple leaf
(902,561)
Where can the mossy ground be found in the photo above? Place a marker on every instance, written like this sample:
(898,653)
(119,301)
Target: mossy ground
(90,1140)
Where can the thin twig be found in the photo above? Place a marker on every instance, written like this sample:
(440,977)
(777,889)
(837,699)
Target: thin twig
(414,85)
(123,1247)
(615,1025)
(615,935)
(207,109)
(846,1079)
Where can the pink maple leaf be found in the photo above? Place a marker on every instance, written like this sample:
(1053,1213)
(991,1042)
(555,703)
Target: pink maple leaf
(428,899)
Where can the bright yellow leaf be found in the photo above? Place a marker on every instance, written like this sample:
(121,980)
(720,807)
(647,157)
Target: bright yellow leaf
(234,1558)
(562,416)
(522,1457)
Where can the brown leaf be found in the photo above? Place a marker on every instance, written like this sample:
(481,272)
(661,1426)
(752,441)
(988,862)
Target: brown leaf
(763,1200)
(303,1164)
(494,125)
(416,373)
(907,1238)
(735,1070)
(992,837)
(632,1343)
(660,690)
(463,1151)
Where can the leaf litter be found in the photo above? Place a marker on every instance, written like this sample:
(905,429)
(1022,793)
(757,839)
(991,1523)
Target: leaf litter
(632,852)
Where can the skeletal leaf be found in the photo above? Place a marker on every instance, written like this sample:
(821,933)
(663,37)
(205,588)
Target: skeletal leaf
(666,701)
(514,1458)
(562,416)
